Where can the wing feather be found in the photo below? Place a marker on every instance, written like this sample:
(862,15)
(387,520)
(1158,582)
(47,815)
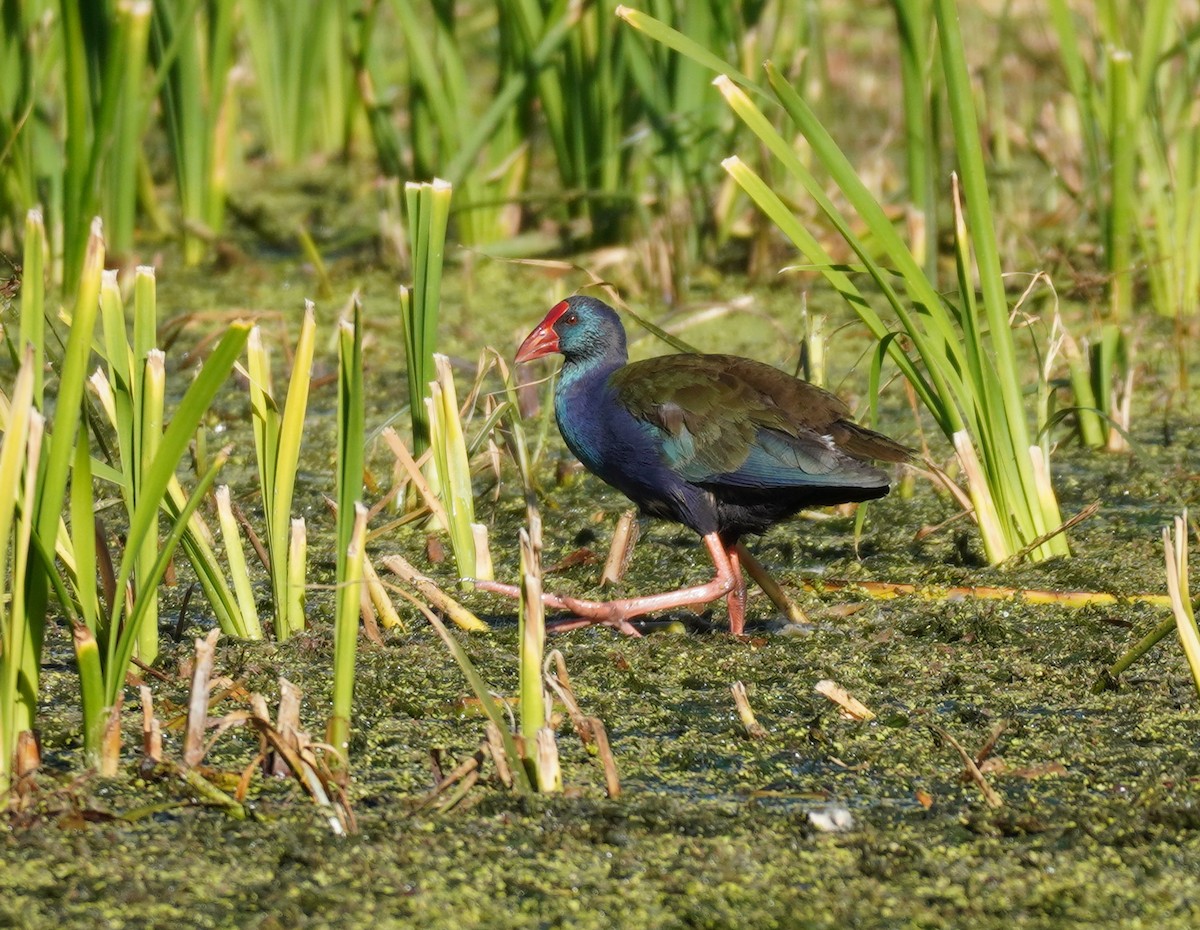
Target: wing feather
(726,420)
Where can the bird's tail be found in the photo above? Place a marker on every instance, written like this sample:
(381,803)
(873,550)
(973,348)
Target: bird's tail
(865,443)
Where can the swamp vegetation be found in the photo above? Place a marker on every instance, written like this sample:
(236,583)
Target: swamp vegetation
(317,734)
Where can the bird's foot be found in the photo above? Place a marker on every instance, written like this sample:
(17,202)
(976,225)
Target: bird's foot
(586,613)
(617,614)
(497,587)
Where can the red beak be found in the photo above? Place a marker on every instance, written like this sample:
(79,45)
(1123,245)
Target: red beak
(543,340)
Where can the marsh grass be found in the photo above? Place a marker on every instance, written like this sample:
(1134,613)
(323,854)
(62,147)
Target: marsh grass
(968,377)
(20,451)
(922,148)
(428,213)
(133,399)
(1175,546)
(118,633)
(1137,112)
(452,465)
(278,435)
(105,102)
(351,528)
(630,131)
(302,75)
(71,118)
(109,615)
(193,51)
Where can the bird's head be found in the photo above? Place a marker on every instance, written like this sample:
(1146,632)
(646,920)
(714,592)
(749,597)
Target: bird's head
(579,328)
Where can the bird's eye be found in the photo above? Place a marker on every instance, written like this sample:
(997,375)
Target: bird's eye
(571,319)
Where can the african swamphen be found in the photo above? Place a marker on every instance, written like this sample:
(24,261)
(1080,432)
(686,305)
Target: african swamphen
(722,444)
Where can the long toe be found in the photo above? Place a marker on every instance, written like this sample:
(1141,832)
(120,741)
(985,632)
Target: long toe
(496,587)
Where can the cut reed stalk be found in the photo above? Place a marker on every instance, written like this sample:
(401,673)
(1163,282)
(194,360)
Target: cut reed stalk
(17,455)
(428,213)
(531,637)
(351,528)
(452,466)
(1175,546)
(278,434)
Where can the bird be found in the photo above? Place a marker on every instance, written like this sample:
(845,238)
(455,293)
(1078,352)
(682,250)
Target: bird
(724,445)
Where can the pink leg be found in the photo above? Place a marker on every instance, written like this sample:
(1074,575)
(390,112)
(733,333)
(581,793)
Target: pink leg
(735,600)
(618,613)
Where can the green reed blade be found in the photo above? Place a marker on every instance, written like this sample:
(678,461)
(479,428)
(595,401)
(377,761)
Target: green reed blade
(351,527)
(197,545)
(21,628)
(191,409)
(297,573)
(235,559)
(150,421)
(69,403)
(428,214)
(453,466)
(32,325)
(83,534)
(287,463)
(345,632)
(121,648)
(1122,156)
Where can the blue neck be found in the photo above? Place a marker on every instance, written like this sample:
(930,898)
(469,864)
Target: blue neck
(582,404)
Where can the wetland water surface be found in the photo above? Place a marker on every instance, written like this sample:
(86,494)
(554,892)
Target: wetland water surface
(1099,823)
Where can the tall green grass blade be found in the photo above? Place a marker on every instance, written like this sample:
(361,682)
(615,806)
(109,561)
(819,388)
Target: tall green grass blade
(151,426)
(301,78)
(291,432)
(122,647)
(1067,28)
(453,466)
(77,106)
(83,535)
(197,542)
(13,457)
(32,325)
(277,439)
(68,405)
(1122,154)
(44,507)
(914,22)
(1017,491)
(23,641)
(350,588)
(98,48)
(485,128)
(87,627)
(235,559)
(197,545)
(933,392)
(297,573)
(351,525)
(133,30)
(172,447)
(673,38)
(351,423)
(193,50)
(428,213)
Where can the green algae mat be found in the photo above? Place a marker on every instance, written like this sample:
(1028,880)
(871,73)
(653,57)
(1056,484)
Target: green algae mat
(1098,822)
